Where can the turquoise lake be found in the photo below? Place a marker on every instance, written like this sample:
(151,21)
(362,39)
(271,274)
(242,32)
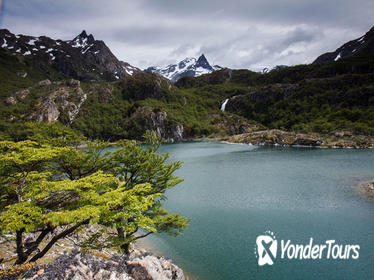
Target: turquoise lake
(233,193)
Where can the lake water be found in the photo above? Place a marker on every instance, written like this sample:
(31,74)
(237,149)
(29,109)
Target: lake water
(233,193)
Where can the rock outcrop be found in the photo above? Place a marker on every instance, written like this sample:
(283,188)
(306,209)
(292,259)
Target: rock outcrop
(63,99)
(366,189)
(159,121)
(91,265)
(58,101)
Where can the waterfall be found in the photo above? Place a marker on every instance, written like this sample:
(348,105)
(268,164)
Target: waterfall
(223,106)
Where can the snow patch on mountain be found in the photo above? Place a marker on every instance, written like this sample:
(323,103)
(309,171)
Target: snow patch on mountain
(84,50)
(188,67)
(359,46)
(337,57)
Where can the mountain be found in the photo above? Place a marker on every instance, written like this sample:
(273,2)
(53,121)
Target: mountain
(335,98)
(277,67)
(360,46)
(188,67)
(82,58)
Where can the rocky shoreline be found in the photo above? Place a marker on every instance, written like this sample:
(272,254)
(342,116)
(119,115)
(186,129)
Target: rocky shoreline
(68,260)
(340,139)
(95,265)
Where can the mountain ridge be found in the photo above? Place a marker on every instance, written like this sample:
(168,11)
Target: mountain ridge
(82,58)
(330,98)
(190,66)
(359,46)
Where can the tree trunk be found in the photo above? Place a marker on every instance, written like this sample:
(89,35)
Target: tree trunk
(21,256)
(126,248)
(122,236)
(56,238)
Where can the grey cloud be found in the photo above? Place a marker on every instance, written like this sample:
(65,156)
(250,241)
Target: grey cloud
(238,33)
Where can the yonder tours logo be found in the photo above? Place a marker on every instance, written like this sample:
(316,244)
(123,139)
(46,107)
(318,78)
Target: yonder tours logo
(266,249)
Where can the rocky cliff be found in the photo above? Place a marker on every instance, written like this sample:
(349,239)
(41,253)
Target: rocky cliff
(158,120)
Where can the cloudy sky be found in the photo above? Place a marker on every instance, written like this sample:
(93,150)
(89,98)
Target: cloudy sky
(238,33)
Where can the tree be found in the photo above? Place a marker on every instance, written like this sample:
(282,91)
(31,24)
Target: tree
(33,201)
(133,164)
(54,191)
(54,134)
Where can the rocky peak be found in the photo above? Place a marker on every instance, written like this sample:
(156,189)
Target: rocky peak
(82,40)
(5,33)
(203,62)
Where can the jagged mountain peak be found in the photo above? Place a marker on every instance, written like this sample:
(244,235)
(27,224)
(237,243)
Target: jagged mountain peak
(82,40)
(189,66)
(83,34)
(202,61)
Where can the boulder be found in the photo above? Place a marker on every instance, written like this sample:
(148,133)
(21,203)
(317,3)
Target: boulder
(10,100)
(45,83)
(22,94)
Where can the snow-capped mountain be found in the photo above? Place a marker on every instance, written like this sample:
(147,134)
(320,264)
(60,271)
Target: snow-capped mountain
(187,67)
(362,45)
(276,67)
(82,58)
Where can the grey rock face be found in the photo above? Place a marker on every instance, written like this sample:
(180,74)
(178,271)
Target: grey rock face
(10,100)
(146,266)
(178,132)
(22,94)
(61,99)
(19,95)
(159,122)
(92,266)
(48,111)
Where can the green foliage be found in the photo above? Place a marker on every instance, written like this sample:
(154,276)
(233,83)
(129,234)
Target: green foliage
(48,189)
(324,98)
(128,116)
(54,134)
